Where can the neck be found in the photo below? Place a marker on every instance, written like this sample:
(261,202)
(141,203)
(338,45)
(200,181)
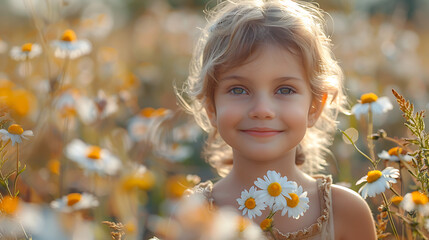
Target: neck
(246,171)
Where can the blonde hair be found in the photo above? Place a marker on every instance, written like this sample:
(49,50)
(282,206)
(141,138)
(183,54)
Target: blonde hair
(235,30)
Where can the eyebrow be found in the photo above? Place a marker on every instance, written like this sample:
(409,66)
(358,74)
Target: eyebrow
(279,79)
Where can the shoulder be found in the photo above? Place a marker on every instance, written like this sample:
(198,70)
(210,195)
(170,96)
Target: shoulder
(352,216)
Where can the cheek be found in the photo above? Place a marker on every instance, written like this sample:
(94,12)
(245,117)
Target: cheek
(226,115)
(295,117)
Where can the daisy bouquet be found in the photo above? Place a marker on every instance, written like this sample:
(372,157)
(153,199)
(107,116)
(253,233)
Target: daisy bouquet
(410,208)
(276,193)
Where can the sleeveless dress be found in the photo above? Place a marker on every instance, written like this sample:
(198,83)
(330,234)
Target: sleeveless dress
(322,229)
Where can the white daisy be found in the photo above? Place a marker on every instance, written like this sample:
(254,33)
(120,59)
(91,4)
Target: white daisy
(175,152)
(297,205)
(138,128)
(378,105)
(416,201)
(66,103)
(187,132)
(16,214)
(377,182)
(15,133)
(75,201)
(250,203)
(106,105)
(69,47)
(274,188)
(98,108)
(395,154)
(93,158)
(139,125)
(25,52)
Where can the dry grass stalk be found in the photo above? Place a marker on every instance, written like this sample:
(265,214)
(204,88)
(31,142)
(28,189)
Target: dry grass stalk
(117,230)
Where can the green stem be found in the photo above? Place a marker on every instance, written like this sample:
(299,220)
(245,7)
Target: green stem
(7,185)
(370,141)
(17,170)
(1,149)
(389,214)
(394,191)
(357,149)
(63,73)
(63,162)
(271,215)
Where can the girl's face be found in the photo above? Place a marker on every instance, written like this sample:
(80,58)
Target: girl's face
(263,108)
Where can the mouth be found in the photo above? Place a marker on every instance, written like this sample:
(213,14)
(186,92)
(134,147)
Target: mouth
(262,132)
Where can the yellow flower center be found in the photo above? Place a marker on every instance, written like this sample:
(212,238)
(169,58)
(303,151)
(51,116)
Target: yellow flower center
(147,112)
(175,146)
(68,111)
(242,223)
(15,129)
(266,224)
(54,166)
(145,181)
(159,112)
(73,198)
(130,228)
(9,205)
(419,198)
(292,202)
(94,152)
(274,189)
(373,176)
(68,36)
(250,203)
(368,98)
(27,47)
(177,185)
(395,151)
(397,200)
(151,112)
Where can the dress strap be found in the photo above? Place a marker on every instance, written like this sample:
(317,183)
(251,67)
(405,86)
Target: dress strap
(319,228)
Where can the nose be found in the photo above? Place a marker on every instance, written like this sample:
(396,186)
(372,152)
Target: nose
(262,108)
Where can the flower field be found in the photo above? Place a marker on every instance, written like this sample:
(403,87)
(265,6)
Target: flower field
(93,144)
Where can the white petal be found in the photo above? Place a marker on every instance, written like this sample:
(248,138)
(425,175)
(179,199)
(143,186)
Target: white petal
(363,179)
(384,155)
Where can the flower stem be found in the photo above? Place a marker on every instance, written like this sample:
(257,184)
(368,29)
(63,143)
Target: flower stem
(17,170)
(271,215)
(370,141)
(389,214)
(63,162)
(357,149)
(63,73)
(394,191)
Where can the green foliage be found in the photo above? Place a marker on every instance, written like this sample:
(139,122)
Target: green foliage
(415,123)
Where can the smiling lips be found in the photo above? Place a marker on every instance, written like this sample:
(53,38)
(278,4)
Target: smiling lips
(261,132)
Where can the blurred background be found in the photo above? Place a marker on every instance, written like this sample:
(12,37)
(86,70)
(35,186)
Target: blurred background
(113,94)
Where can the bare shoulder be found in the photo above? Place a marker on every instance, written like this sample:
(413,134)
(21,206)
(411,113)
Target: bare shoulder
(352,216)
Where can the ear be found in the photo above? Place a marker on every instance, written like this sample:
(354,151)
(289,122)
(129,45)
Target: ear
(316,109)
(211,113)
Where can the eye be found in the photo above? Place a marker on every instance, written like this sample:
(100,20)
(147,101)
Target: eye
(238,91)
(285,90)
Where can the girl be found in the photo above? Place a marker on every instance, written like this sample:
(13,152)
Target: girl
(264,85)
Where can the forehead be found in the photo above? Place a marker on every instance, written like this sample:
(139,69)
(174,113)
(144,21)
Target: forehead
(267,61)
